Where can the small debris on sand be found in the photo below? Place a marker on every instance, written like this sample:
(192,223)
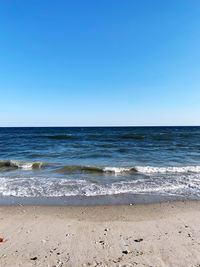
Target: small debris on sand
(34,258)
(125,251)
(138,240)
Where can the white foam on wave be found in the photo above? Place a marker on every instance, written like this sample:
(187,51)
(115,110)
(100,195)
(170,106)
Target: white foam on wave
(20,165)
(117,169)
(184,169)
(152,169)
(26,165)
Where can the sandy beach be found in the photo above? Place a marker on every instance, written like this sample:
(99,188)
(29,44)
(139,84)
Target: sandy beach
(161,234)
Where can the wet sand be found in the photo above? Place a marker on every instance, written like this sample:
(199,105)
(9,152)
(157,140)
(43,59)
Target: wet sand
(160,234)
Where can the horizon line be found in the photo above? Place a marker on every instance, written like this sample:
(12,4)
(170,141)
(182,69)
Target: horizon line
(99,126)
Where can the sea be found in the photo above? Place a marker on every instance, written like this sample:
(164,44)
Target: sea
(98,165)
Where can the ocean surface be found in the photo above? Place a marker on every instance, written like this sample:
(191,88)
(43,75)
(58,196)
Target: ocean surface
(117,164)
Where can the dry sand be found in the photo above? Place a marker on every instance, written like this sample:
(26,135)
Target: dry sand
(169,235)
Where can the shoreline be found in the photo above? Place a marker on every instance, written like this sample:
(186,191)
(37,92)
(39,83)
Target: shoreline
(101,200)
(154,234)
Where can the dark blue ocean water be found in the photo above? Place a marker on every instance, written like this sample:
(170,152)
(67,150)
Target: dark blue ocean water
(100,161)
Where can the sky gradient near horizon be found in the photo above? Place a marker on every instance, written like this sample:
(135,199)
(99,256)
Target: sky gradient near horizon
(108,62)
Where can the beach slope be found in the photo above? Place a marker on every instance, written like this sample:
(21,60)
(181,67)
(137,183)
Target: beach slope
(166,234)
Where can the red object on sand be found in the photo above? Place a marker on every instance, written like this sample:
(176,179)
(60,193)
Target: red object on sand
(1,240)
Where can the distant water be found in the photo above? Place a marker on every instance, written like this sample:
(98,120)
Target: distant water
(100,161)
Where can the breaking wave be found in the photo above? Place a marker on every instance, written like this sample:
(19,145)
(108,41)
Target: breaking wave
(26,165)
(139,169)
(95,169)
(184,169)
(14,164)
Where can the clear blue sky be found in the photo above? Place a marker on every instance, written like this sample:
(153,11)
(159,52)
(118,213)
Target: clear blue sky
(99,62)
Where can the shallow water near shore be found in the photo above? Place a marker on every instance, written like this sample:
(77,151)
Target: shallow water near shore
(99,165)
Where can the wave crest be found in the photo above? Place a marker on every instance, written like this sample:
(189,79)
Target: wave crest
(95,169)
(184,169)
(138,169)
(14,164)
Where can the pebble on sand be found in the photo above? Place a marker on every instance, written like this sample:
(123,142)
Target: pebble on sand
(125,251)
(138,240)
(34,258)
